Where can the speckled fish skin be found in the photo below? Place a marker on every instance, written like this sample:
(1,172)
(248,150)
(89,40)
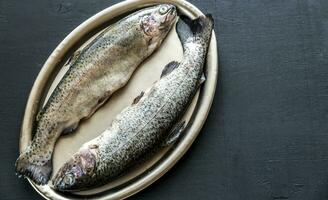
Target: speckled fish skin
(143,125)
(96,71)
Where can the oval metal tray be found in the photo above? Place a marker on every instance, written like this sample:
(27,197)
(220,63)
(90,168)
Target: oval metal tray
(158,164)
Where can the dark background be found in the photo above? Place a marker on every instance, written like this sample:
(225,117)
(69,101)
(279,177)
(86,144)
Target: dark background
(266,136)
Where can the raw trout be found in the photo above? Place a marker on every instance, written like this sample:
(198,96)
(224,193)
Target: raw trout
(96,71)
(147,122)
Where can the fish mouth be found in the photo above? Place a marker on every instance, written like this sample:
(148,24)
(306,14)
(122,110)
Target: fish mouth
(57,182)
(171,14)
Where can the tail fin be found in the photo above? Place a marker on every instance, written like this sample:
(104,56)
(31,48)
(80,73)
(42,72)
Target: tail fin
(37,172)
(199,27)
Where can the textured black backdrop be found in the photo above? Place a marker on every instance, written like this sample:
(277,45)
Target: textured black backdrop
(266,136)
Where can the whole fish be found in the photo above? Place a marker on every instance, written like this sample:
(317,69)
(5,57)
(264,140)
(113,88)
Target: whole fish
(147,122)
(96,71)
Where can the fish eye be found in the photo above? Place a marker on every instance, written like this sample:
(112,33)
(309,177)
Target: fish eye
(68,179)
(145,18)
(163,10)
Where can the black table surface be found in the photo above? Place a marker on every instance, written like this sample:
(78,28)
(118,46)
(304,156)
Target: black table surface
(266,135)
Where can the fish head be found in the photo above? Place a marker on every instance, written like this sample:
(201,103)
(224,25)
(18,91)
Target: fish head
(77,172)
(157,22)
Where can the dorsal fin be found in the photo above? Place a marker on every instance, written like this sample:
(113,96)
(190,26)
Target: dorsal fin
(169,68)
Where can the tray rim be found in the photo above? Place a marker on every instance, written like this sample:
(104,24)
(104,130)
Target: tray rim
(205,99)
